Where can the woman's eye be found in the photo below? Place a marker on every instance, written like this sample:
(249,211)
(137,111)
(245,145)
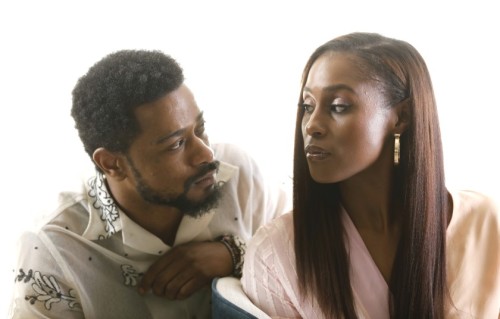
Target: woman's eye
(338,108)
(308,108)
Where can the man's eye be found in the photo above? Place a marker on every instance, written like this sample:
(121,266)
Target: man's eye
(200,130)
(176,145)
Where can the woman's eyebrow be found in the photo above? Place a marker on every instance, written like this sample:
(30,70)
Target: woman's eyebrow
(332,88)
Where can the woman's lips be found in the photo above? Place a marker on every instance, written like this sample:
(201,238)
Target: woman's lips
(314,152)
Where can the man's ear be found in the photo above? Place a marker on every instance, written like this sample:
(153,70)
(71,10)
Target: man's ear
(110,163)
(403,114)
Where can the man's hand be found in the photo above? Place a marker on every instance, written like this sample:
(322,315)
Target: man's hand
(186,268)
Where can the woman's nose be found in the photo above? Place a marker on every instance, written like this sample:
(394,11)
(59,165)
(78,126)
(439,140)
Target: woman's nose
(314,126)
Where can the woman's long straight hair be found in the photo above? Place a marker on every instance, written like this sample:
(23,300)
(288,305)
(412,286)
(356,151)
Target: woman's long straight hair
(418,279)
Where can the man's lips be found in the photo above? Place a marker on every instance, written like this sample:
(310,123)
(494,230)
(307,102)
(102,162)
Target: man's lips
(206,180)
(314,152)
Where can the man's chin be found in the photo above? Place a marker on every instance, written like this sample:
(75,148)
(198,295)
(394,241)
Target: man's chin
(200,195)
(199,207)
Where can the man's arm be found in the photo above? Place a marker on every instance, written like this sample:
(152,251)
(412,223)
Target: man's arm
(253,202)
(186,268)
(40,290)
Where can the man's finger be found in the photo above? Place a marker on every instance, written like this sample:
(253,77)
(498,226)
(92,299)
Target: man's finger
(164,262)
(191,287)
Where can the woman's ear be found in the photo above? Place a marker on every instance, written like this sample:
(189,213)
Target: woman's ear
(109,162)
(403,116)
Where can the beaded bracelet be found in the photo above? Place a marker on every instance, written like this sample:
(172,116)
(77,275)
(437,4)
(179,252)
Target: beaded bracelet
(236,248)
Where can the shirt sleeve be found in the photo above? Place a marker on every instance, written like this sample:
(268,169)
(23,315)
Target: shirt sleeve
(40,289)
(262,279)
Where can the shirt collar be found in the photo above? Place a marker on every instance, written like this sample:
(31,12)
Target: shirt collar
(106,218)
(104,214)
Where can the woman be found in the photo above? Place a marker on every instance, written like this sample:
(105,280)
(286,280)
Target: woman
(374,232)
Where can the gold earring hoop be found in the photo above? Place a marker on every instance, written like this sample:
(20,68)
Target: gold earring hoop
(397,149)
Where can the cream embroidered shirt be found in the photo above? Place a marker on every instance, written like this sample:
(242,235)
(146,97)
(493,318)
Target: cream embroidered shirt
(86,261)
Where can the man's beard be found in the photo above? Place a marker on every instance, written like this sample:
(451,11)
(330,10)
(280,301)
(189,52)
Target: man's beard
(186,206)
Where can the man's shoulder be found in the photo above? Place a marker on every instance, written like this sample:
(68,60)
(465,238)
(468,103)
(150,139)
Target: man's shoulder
(69,211)
(231,153)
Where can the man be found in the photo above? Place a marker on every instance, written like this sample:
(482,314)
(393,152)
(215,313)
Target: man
(164,214)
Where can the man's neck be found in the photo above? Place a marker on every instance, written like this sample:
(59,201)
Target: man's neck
(163,223)
(160,220)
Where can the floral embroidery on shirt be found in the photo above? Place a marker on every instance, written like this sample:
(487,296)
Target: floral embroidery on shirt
(46,289)
(130,275)
(103,202)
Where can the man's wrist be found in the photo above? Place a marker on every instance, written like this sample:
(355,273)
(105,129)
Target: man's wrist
(236,248)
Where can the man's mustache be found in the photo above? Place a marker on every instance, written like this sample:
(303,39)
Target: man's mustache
(204,169)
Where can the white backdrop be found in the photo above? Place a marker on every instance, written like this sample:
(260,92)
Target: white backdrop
(243,61)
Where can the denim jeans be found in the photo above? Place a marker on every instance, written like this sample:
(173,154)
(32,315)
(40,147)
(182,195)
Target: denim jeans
(224,309)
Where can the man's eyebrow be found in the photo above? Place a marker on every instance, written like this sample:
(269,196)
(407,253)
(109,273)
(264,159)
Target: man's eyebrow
(200,118)
(178,132)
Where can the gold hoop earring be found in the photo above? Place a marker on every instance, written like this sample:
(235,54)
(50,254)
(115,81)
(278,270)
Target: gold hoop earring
(397,149)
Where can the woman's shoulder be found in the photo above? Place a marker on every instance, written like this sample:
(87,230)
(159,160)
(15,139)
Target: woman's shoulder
(474,230)
(273,238)
(280,227)
(474,207)
(473,254)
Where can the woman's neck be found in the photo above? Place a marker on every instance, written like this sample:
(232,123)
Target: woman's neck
(369,203)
